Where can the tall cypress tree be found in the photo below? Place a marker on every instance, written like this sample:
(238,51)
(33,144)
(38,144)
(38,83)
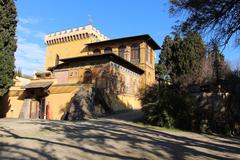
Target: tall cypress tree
(165,58)
(177,54)
(182,58)
(218,63)
(194,54)
(8,46)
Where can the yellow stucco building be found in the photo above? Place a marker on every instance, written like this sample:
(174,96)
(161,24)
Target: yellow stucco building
(87,74)
(83,41)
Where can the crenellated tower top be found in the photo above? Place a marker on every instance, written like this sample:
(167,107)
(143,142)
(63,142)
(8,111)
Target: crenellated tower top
(74,34)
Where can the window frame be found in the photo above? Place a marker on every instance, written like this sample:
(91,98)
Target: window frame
(108,50)
(122,48)
(135,52)
(96,53)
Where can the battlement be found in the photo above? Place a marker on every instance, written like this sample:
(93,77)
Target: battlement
(74,34)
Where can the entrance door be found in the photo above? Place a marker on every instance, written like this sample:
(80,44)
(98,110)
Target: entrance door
(34,109)
(42,109)
(37,109)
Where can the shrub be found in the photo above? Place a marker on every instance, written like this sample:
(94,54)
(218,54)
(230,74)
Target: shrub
(166,107)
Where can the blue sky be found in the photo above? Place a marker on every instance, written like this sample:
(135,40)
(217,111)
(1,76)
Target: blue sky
(114,18)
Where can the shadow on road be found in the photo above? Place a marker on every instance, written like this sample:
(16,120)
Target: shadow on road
(116,139)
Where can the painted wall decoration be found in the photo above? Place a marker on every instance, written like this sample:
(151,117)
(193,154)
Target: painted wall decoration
(110,76)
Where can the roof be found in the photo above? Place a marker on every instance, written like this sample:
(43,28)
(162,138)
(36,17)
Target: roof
(146,37)
(38,85)
(101,57)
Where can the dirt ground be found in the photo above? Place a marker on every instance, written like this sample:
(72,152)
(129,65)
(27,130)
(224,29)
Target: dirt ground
(107,139)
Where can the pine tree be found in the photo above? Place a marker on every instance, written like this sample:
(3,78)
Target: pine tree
(219,17)
(8,46)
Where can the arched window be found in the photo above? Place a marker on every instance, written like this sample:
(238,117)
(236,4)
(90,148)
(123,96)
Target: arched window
(87,77)
(57,60)
(121,51)
(135,53)
(96,51)
(108,50)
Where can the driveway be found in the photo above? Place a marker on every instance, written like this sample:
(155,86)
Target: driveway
(107,139)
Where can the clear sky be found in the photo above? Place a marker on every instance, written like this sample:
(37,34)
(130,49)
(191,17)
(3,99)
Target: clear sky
(115,18)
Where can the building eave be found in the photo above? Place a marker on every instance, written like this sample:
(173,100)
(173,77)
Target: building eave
(101,57)
(145,37)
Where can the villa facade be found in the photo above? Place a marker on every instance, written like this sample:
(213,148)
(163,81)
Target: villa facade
(86,73)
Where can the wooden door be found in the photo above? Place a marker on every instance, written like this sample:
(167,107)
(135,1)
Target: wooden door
(34,109)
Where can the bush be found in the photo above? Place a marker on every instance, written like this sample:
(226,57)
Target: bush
(166,107)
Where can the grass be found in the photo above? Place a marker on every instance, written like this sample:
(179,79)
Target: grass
(157,127)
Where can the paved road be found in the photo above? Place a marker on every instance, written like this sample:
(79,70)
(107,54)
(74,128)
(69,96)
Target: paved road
(107,139)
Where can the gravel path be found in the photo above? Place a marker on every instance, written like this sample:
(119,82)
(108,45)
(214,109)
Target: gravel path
(107,139)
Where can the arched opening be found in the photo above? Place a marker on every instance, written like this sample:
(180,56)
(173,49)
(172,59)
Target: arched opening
(87,77)
(96,51)
(108,50)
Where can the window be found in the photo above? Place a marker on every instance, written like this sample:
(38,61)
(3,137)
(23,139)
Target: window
(151,56)
(57,60)
(96,51)
(73,73)
(108,50)
(135,53)
(146,53)
(121,51)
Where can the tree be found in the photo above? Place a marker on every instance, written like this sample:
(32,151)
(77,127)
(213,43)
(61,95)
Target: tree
(182,59)
(8,41)
(165,64)
(220,17)
(18,72)
(219,66)
(194,54)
